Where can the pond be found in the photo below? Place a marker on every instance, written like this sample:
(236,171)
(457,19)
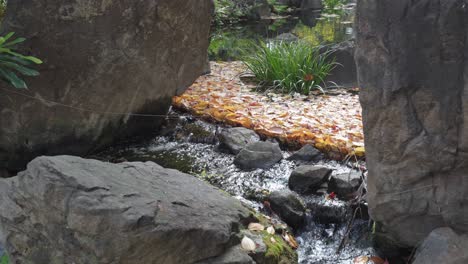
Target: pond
(317,27)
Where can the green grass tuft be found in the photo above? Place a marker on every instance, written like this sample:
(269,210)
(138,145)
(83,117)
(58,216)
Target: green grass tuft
(289,67)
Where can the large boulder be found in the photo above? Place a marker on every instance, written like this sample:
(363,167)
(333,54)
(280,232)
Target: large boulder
(412,67)
(71,210)
(102,60)
(443,245)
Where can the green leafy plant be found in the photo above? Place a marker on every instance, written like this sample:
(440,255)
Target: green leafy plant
(2,8)
(289,67)
(4,259)
(226,12)
(277,7)
(13,63)
(333,6)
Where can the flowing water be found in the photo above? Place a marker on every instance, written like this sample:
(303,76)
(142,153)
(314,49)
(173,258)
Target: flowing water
(189,145)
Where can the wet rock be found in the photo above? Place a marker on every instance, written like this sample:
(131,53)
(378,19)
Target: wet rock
(345,185)
(362,210)
(344,74)
(326,211)
(234,255)
(74,210)
(443,245)
(417,135)
(307,178)
(258,155)
(106,56)
(195,133)
(288,207)
(306,153)
(233,140)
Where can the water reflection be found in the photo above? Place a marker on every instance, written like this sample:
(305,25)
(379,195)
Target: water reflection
(314,26)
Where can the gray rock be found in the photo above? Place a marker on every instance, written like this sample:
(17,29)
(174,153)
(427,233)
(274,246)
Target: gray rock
(311,4)
(234,255)
(308,178)
(413,76)
(345,185)
(288,207)
(258,155)
(233,140)
(325,211)
(70,210)
(306,153)
(443,245)
(103,56)
(344,74)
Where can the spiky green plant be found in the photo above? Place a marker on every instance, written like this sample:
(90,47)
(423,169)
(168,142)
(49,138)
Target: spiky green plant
(289,67)
(13,63)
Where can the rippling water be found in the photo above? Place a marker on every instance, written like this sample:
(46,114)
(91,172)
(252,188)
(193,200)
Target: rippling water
(319,243)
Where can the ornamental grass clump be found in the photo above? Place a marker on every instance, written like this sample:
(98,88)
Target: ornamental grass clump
(289,67)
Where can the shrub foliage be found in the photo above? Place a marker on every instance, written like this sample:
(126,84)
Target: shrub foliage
(289,67)
(13,64)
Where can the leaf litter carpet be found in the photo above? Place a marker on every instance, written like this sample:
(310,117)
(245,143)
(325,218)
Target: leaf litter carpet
(331,122)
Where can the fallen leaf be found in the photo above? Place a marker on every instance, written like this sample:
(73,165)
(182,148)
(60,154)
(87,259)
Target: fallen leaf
(290,240)
(256,227)
(333,124)
(361,260)
(271,230)
(377,260)
(248,244)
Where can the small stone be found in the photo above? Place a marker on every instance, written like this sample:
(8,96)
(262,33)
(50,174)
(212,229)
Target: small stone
(325,211)
(308,178)
(233,140)
(288,207)
(345,185)
(306,153)
(258,155)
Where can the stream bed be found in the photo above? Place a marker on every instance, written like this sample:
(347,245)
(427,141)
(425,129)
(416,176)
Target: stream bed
(190,145)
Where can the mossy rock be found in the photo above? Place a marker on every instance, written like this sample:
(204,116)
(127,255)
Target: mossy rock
(272,252)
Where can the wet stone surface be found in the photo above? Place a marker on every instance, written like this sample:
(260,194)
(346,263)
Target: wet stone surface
(319,240)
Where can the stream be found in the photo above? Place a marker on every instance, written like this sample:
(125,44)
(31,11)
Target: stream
(190,145)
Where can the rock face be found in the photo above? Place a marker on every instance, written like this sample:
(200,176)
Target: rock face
(71,210)
(102,58)
(443,245)
(233,140)
(288,206)
(258,155)
(308,178)
(411,58)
